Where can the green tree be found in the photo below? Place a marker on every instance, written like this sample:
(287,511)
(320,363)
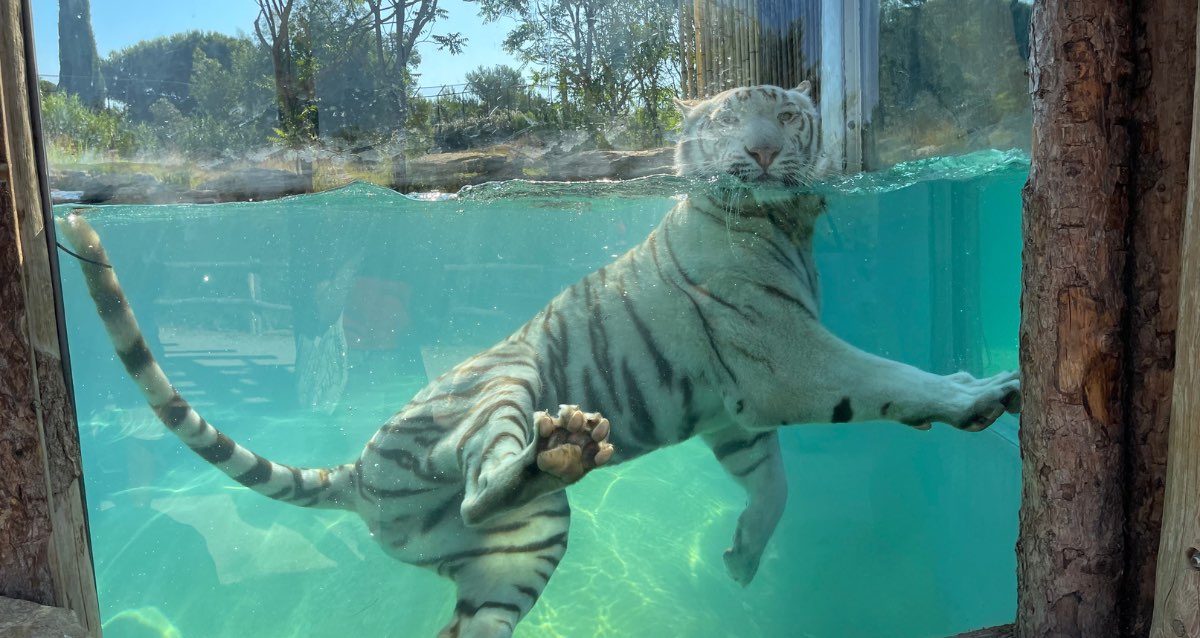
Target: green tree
(283,30)
(234,108)
(162,68)
(72,127)
(609,59)
(495,86)
(399,26)
(238,88)
(78,62)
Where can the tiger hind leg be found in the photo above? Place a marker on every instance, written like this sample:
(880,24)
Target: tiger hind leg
(499,582)
(754,460)
(501,473)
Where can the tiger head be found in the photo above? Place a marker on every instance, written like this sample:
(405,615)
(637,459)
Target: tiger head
(761,135)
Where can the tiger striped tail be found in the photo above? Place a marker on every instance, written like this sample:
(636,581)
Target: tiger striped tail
(308,487)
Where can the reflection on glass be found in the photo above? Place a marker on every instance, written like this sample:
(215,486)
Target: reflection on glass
(288,96)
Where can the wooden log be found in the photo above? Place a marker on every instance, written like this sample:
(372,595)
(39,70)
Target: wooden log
(1177,603)
(1164,55)
(720,52)
(687,50)
(1070,552)
(45,553)
(733,59)
(700,20)
(752,13)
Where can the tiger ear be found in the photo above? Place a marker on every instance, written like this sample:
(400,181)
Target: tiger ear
(686,106)
(804,87)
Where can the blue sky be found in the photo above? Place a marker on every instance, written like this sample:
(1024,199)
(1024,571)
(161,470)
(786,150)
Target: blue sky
(120,23)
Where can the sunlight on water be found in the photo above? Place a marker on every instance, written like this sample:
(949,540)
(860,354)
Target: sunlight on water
(888,532)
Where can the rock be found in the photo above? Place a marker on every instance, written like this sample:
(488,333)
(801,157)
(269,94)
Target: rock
(23,619)
(631,164)
(253,184)
(593,165)
(125,188)
(452,171)
(68,180)
(445,172)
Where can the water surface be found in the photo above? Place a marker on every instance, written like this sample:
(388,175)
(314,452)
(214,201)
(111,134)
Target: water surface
(889,532)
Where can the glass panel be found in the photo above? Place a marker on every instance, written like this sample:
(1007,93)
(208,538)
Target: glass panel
(299,325)
(952,78)
(300,95)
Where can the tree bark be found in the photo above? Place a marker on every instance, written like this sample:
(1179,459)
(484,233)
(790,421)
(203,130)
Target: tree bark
(45,555)
(1077,214)
(1164,56)
(294,90)
(1103,212)
(1177,604)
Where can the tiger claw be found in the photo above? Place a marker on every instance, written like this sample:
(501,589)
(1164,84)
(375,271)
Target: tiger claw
(576,422)
(545,425)
(600,432)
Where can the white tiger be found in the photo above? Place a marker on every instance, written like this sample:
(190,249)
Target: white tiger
(708,328)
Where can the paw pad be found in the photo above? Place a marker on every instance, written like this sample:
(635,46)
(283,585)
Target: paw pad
(573,443)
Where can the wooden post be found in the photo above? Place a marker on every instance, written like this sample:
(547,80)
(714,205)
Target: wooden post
(1070,552)
(1164,33)
(851,60)
(1112,88)
(45,555)
(1177,603)
(832,100)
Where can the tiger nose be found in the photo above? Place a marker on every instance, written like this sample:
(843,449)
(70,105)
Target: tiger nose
(764,155)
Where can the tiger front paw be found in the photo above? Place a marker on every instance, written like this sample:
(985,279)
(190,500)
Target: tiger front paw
(967,403)
(573,443)
(988,399)
(974,404)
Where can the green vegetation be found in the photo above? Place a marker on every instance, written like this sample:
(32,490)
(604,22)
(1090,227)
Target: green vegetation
(78,63)
(341,77)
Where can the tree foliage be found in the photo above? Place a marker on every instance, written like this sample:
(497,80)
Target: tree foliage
(608,58)
(495,85)
(161,69)
(285,33)
(78,62)
(594,73)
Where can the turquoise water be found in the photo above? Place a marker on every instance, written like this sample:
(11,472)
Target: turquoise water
(889,532)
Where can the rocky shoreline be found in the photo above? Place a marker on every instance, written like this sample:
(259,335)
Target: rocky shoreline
(150,183)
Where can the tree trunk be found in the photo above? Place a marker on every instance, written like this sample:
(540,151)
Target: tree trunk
(1177,604)
(291,54)
(1103,210)
(1077,205)
(79,65)
(45,554)
(1164,56)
